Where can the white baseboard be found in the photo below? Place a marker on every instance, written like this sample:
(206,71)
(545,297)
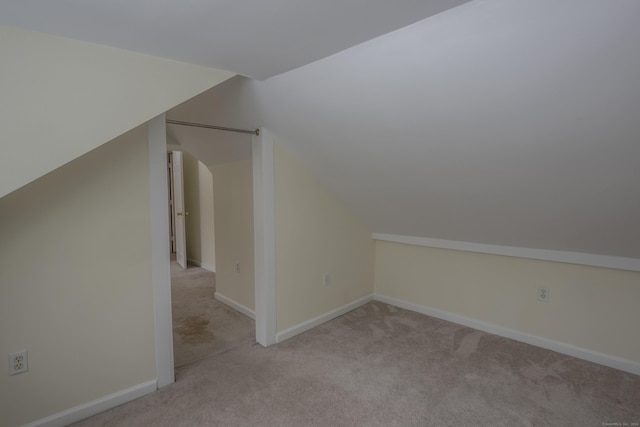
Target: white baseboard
(209,267)
(235,305)
(560,347)
(316,321)
(593,260)
(201,265)
(94,407)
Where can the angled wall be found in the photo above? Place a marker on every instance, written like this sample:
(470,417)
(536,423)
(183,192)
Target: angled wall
(75,275)
(315,235)
(62,98)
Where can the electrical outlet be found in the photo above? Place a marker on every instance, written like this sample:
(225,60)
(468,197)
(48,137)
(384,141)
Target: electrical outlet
(18,362)
(238,267)
(326,279)
(543,294)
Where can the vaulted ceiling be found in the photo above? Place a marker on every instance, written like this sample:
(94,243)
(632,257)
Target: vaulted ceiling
(502,122)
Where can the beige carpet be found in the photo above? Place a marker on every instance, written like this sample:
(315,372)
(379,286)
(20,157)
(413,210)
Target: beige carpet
(203,326)
(384,366)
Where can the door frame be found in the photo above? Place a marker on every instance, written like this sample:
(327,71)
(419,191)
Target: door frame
(264,244)
(160,250)
(264,240)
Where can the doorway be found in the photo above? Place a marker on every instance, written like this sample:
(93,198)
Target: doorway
(203,326)
(264,244)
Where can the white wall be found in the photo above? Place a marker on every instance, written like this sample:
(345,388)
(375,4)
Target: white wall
(75,280)
(198,198)
(315,234)
(591,308)
(233,192)
(62,98)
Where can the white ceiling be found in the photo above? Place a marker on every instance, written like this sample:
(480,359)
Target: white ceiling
(503,122)
(254,38)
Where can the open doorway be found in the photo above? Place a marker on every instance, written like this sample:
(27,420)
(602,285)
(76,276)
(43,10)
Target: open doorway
(205,321)
(264,284)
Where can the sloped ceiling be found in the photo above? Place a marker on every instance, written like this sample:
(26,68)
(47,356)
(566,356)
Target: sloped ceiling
(254,38)
(61,98)
(506,122)
(501,122)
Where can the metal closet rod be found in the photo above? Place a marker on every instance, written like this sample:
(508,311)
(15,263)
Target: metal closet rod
(201,125)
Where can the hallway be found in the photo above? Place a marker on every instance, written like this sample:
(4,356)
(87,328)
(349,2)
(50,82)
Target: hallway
(203,326)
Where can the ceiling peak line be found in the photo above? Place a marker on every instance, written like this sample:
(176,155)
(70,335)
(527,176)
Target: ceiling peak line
(222,128)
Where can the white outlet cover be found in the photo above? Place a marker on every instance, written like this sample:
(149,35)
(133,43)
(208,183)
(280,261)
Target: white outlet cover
(18,362)
(543,294)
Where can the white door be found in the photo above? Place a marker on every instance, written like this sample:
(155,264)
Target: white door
(180,214)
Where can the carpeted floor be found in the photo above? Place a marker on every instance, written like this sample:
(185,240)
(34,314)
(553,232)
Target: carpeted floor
(203,326)
(383,366)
